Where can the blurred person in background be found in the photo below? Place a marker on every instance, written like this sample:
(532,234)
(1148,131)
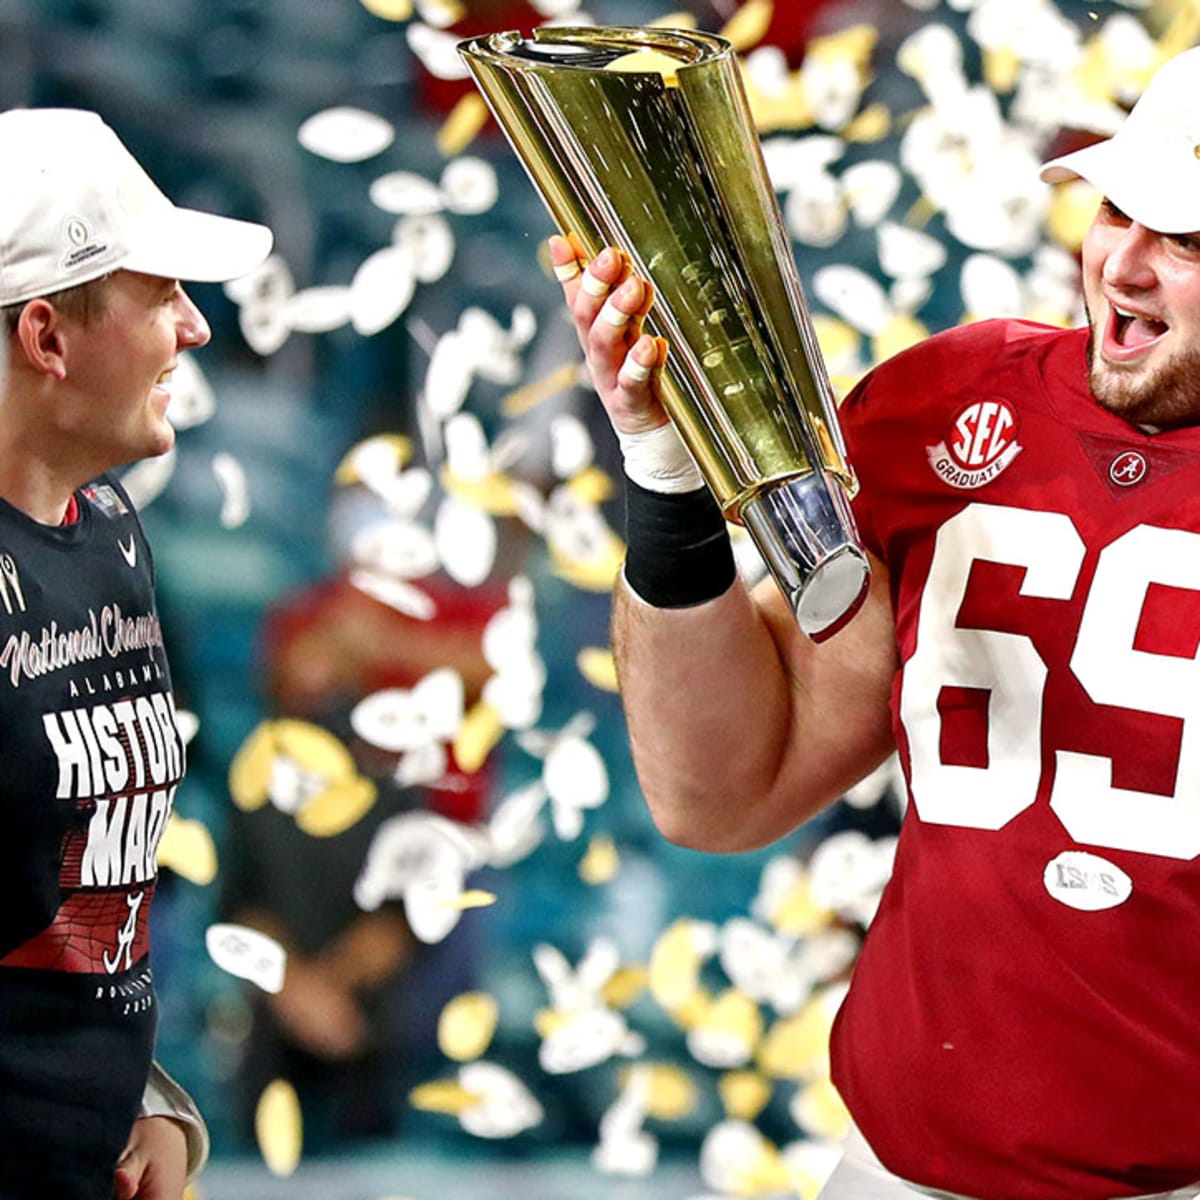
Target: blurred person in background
(355,1024)
(91,258)
(1021,1025)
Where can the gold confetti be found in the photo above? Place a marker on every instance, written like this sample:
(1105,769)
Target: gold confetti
(250,770)
(921,213)
(855,43)
(1182,32)
(464,124)
(675,963)
(1001,69)
(900,332)
(187,848)
(467,1025)
(479,733)
(591,486)
(601,862)
(624,986)
(744,1094)
(278,1126)
(734,1017)
(598,667)
(598,573)
(675,20)
(647,62)
(821,1111)
(494,493)
(471,898)
(765,1175)
(797,913)
(838,339)
(389,10)
(337,808)
(523,399)
(873,124)
(778,108)
(395,446)
(1072,208)
(443,1096)
(748,26)
(548,1021)
(692,1013)
(671,1093)
(314,751)
(797,1046)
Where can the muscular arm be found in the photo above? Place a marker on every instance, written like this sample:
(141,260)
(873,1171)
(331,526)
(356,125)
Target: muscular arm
(741,727)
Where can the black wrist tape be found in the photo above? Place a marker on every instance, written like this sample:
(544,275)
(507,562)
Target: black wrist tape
(679,553)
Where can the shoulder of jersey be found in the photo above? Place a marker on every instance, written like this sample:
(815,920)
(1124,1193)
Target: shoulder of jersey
(948,364)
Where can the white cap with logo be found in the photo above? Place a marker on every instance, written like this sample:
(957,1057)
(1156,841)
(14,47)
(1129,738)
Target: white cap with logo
(1150,168)
(75,205)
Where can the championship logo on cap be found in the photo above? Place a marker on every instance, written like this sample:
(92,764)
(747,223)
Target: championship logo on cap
(80,243)
(981,445)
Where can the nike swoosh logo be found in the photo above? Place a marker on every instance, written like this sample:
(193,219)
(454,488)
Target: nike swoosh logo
(129,553)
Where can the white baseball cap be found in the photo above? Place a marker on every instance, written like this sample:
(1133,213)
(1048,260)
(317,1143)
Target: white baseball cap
(75,205)
(1150,168)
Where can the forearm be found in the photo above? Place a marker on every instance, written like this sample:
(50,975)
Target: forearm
(741,728)
(707,711)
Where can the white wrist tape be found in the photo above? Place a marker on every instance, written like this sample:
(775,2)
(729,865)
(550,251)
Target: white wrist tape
(659,461)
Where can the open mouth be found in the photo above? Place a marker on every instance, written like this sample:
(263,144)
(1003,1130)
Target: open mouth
(1133,331)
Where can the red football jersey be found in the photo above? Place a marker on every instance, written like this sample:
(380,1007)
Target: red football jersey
(1024,1021)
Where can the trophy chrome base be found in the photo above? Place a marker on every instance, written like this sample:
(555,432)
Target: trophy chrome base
(800,528)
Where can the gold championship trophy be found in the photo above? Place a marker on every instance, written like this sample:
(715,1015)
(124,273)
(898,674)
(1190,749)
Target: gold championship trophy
(642,139)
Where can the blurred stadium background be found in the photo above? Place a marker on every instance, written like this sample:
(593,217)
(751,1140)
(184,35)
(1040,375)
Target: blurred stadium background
(594,1012)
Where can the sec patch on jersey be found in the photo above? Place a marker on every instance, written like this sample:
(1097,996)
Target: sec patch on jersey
(981,444)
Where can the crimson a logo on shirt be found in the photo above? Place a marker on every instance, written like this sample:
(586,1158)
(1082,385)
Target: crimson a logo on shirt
(982,443)
(1128,469)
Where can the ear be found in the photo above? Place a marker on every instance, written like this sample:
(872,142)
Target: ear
(40,333)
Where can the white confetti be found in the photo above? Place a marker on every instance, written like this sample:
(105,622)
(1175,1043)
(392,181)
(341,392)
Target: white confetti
(428,243)
(395,593)
(505,1107)
(318,309)
(382,288)
(248,954)
(469,185)
(192,398)
(346,134)
(405,192)
(466,541)
(235,490)
(437,51)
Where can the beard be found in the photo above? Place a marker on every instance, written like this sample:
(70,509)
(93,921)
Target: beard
(1165,397)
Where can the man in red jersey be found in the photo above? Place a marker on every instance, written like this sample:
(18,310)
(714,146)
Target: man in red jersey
(1022,1022)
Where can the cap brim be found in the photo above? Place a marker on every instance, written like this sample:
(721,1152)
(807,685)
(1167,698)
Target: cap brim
(1141,185)
(198,247)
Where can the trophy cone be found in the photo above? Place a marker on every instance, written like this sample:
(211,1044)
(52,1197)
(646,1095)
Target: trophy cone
(642,139)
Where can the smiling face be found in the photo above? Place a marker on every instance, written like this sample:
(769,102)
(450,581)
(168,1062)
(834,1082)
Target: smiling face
(1142,291)
(120,362)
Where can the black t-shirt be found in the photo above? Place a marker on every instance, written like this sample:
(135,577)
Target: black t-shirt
(92,757)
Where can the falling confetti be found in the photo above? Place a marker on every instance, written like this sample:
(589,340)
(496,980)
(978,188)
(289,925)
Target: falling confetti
(278,1126)
(248,954)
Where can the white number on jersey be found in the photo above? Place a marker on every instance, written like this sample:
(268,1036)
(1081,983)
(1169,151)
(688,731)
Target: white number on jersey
(1008,667)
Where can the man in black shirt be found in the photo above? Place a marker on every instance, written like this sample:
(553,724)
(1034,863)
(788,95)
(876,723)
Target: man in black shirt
(91,255)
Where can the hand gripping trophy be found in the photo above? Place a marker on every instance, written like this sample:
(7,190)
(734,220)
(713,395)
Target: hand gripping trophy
(642,139)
